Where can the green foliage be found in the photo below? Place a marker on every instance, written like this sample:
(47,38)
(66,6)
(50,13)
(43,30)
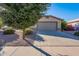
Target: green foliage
(76,33)
(63,25)
(8,31)
(1,22)
(28,31)
(23,15)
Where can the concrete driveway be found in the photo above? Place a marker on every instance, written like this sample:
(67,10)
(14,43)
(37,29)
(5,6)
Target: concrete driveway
(58,43)
(56,39)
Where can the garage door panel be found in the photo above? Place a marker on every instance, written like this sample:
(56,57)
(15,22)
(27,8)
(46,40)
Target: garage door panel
(48,26)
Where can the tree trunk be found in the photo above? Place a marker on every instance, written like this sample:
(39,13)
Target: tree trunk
(23,34)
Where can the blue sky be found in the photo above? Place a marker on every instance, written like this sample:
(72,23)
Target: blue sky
(67,11)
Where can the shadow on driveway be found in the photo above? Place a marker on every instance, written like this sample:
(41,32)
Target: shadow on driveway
(8,38)
(39,49)
(58,34)
(36,37)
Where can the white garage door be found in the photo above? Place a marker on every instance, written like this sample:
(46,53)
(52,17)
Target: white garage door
(47,26)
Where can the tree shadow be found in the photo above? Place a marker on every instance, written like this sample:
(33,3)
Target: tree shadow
(39,49)
(8,38)
(36,37)
(58,34)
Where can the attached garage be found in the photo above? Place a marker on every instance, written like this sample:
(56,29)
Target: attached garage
(49,23)
(47,26)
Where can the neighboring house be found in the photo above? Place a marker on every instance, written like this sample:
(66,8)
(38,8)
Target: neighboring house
(74,23)
(49,23)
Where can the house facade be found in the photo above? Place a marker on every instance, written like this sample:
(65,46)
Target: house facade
(49,23)
(74,24)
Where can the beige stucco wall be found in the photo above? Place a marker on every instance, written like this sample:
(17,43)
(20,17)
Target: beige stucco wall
(59,25)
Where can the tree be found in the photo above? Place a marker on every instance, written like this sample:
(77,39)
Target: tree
(63,25)
(22,16)
(1,22)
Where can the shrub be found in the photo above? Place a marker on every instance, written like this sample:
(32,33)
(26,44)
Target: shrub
(76,33)
(8,31)
(28,31)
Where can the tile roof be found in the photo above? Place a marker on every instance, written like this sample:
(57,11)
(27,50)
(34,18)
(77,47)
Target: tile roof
(52,16)
(72,21)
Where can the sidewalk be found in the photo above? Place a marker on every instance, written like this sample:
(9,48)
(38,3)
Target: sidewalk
(30,51)
(21,51)
(62,51)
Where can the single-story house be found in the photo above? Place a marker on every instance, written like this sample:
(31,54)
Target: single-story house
(74,23)
(49,23)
